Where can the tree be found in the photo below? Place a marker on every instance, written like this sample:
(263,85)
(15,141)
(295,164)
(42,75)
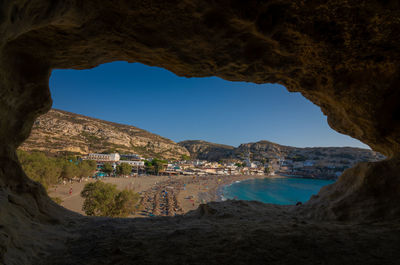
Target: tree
(107,168)
(124,169)
(69,170)
(40,168)
(86,168)
(99,198)
(267,170)
(49,170)
(155,166)
(125,203)
(103,199)
(149,167)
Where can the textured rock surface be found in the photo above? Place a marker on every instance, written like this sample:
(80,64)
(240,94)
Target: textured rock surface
(208,151)
(376,198)
(232,232)
(268,150)
(58,131)
(342,55)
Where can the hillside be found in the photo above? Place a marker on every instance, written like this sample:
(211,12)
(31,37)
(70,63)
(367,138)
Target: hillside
(61,131)
(265,150)
(207,151)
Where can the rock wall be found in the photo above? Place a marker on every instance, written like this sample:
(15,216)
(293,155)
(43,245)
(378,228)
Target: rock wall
(342,55)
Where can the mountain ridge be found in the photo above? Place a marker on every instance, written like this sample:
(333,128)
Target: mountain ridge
(265,149)
(61,131)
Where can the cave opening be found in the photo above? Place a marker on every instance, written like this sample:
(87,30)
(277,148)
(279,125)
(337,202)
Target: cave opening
(341,55)
(262,142)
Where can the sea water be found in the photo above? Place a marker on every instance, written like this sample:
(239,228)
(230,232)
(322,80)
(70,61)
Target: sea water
(283,191)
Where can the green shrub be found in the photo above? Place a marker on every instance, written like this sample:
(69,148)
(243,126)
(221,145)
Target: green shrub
(107,168)
(124,169)
(155,166)
(40,168)
(49,170)
(103,199)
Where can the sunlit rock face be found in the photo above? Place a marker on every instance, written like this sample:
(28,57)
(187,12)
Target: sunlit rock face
(342,55)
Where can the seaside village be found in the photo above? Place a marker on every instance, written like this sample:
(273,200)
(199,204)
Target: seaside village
(277,166)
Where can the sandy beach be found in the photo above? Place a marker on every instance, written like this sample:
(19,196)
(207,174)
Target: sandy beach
(161,195)
(74,201)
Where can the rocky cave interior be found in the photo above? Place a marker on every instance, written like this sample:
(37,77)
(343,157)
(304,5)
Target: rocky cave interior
(341,55)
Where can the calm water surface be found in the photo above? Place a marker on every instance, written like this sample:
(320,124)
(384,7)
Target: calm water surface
(275,190)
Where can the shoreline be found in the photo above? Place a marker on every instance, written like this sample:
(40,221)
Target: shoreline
(220,189)
(161,195)
(234,197)
(305,177)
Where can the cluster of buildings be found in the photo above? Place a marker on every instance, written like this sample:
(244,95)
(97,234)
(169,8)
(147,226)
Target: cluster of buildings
(115,159)
(310,168)
(288,167)
(202,167)
(194,167)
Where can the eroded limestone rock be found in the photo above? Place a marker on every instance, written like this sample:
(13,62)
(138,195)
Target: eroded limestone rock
(342,55)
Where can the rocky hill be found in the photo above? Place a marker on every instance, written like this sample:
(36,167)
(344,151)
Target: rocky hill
(60,131)
(207,151)
(264,150)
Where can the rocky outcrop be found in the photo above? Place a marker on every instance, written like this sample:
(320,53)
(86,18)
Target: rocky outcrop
(342,55)
(263,149)
(266,150)
(231,232)
(203,150)
(376,198)
(60,131)
(269,150)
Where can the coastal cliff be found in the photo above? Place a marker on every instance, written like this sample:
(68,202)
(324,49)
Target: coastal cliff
(60,131)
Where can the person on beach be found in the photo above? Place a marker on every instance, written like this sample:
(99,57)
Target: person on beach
(70,191)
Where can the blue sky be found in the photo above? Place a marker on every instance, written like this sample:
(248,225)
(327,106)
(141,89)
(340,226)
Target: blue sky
(180,108)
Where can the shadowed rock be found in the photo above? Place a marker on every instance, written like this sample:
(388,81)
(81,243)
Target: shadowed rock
(342,55)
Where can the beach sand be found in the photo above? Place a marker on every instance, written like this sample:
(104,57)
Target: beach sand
(74,201)
(161,195)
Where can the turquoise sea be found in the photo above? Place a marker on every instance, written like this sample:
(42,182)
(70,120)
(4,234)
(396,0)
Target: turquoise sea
(283,191)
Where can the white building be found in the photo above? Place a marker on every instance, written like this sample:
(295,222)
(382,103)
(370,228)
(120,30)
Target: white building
(114,157)
(198,162)
(131,157)
(134,163)
(253,165)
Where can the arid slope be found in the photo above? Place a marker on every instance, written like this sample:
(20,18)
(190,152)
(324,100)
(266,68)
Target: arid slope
(61,131)
(264,150)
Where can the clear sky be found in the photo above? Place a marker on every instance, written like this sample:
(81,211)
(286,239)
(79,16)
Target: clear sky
(180,108)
